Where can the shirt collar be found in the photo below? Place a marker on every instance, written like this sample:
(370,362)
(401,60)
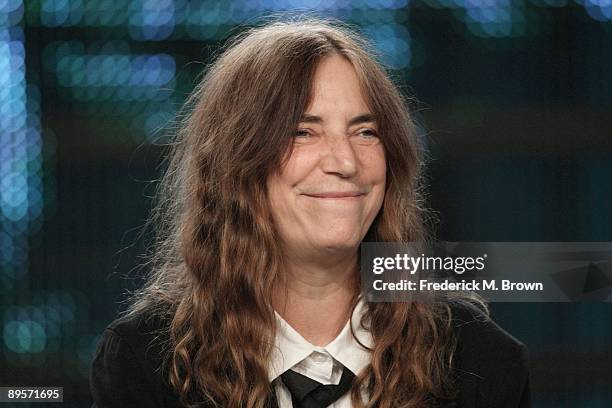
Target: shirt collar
(290,347)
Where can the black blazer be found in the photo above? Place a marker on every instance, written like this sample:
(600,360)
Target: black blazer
(491,366)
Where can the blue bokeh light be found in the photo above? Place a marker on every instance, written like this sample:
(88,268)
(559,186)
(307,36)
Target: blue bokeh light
(25,336)
(110,75)
(20,150)
(393,42)
(600,10)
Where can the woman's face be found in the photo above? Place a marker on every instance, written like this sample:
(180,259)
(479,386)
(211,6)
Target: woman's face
(330,189)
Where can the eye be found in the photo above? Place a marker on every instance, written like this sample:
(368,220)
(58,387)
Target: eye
(367,133)
(302,133)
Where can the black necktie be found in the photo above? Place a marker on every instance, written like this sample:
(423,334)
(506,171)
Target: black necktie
(308,393)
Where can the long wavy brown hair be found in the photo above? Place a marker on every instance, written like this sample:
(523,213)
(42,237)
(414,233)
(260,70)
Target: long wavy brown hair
(217,255)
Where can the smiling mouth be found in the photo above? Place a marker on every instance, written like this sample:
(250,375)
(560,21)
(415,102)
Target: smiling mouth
(337,195)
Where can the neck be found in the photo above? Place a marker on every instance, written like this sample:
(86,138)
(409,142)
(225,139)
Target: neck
(315,297)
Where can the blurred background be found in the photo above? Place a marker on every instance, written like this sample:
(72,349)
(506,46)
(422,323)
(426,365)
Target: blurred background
(513,98)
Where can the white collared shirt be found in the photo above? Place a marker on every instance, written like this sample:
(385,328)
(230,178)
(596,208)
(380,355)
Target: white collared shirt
(322,364)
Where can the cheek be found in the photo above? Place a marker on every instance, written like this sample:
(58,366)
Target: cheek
(374,165)
(297,167)
(277,195)
(282,184)
(375,174)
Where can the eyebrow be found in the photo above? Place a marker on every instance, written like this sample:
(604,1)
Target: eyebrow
(362,118)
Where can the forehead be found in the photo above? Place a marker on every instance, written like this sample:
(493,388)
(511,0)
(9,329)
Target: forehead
(337,85)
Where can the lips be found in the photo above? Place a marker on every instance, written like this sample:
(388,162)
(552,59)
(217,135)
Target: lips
(335,194)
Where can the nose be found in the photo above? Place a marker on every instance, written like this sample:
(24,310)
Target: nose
(339,157)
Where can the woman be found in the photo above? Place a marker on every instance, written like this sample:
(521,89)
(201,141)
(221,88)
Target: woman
(296,149)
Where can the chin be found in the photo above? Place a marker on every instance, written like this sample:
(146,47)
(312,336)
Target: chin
(341,242)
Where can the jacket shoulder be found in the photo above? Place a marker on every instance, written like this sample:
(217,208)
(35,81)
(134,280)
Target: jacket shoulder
(476,329)
(129,365)
(141,326)
(491,366)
